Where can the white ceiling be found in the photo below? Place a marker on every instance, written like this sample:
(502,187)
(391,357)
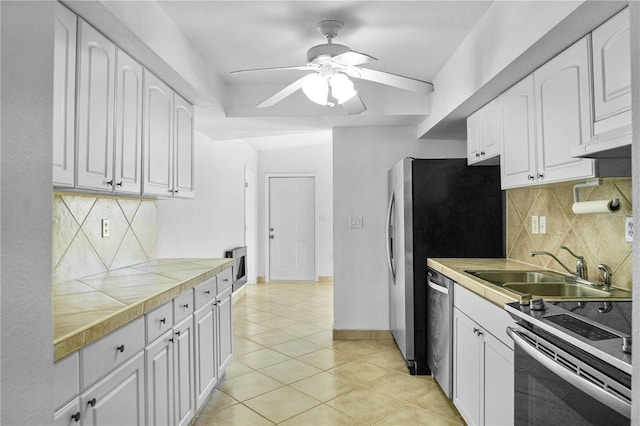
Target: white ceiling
(411,38)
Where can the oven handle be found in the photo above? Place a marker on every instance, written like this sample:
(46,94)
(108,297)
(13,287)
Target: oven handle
(584,385)
(437,287)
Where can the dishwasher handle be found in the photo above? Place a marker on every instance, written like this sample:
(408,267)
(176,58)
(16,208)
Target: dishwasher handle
(436,287)
(584,385)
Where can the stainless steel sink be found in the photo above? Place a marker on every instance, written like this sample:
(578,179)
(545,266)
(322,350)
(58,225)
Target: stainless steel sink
(560,289)
(502,277)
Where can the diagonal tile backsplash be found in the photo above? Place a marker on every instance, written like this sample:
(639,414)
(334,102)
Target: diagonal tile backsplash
(597,237)
(78,248)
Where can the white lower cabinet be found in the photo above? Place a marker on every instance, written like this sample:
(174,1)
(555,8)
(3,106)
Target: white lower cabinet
(205,346)
(119,398)
(183,372)
(225,334)
(483,387)
(159,368)
(69,414)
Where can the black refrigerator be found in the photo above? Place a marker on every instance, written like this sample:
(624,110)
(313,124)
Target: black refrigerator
(437,208)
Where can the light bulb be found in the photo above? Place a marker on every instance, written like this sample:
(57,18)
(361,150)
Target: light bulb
(316,88)
(342,88)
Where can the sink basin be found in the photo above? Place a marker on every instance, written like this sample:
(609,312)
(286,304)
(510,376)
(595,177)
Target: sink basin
(501,277)
(561,289)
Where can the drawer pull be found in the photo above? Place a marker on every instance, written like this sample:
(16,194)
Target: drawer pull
(178,333)
(92,402)
(76,416)
(226,280)
(120,348)
(186,306)
(171,340)
(207,292)
(163,320)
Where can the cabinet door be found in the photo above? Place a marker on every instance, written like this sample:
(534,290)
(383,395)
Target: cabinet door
(157,136)
(159,373)
(96,93)
(183,345)
(467,367)
(128,137)
(118,399)
(498,389)
(183,162)
(225,334)
(518,161)
(68,415)
(205,363)
(474,136)
(563,114)
(611,69)
(491,130)
(64,96)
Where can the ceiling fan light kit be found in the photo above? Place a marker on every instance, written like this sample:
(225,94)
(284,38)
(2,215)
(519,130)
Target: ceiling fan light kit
(328,83)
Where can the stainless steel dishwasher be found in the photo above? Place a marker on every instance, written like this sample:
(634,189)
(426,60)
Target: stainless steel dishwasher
(439,329)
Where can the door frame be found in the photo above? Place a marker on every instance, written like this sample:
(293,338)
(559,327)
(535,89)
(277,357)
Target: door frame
(267,200)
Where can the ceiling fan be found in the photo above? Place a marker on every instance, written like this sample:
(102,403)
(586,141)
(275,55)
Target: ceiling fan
(332,65)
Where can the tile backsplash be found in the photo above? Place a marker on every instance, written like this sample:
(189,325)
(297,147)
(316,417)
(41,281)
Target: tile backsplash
(597,237)
(78,248)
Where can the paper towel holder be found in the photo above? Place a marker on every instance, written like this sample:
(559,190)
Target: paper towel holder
(613,205)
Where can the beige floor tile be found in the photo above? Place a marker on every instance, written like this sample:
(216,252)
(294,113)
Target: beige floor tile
(295,348)
(270,338)
(356,348)
(365,405)
(301,329)
(248,385)
(322,415)
(360,371)
(436,401)
(414,416)
(326,358)
(236,368)
(325,386)
(403,387)
(217,402)
(248,328)
(388,358)
(278,322)
(322,338)
(262,358)
(236,415)
(281,404)
(243,346)
(290,371)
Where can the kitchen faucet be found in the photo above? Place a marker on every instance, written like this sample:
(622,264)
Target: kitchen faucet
(581,265)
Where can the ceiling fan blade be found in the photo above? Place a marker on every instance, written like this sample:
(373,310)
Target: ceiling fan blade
(352,58)
(354,105)
(298,67)
(402,82)
(287,91)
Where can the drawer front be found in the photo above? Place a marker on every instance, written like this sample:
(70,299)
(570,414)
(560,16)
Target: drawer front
(225,279)
(205,292)
(159,321)
(182,306)
(66,379)
(104,355)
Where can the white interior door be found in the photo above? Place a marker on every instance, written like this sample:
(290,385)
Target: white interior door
(292,233)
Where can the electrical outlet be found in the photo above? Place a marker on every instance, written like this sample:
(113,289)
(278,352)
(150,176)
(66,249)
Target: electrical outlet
(628,229)
(542,222)
(355,222)
(105,228)
(535,228)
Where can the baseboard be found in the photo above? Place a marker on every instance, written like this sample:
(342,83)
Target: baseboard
(362,335)
(261,280)
(327,279)
(239,294)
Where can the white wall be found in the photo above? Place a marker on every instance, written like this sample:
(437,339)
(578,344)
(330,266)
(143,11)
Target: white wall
(26,345)
(313,158)
(213,222)
(361,159)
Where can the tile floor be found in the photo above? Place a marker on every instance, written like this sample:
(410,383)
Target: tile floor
(288,370)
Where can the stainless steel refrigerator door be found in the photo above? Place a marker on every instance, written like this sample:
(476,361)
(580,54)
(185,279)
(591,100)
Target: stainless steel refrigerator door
(400,245)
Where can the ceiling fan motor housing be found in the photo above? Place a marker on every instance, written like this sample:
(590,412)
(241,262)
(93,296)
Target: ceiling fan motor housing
(323,52)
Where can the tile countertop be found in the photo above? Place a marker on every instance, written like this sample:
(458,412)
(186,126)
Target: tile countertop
(455,268)
(86,309)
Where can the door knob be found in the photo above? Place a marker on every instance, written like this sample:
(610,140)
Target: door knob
(271,237)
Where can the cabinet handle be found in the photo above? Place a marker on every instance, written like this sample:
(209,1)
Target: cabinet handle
(530,177)
(76,416)
(482,153)
(477,331)
(176,191)
(540,175)
(178,333)
(92,402)
(110,182)
(477,155)
(186,306)
(163,320)
(226,280)
(120,348)
(207,292)
(119,184)
(171,340)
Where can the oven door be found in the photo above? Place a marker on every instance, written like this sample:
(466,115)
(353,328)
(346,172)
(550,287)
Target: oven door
(553,387)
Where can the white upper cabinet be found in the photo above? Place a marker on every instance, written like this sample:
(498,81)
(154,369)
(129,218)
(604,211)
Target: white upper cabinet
(484,138)
(157,137)
(183,162)
(64,97)
(128,122)
(96,100)
(518,161)
(563,114)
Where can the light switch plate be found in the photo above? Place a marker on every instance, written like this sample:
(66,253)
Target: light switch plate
(104,232)
(535,229)
(628,229)
(542,224)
